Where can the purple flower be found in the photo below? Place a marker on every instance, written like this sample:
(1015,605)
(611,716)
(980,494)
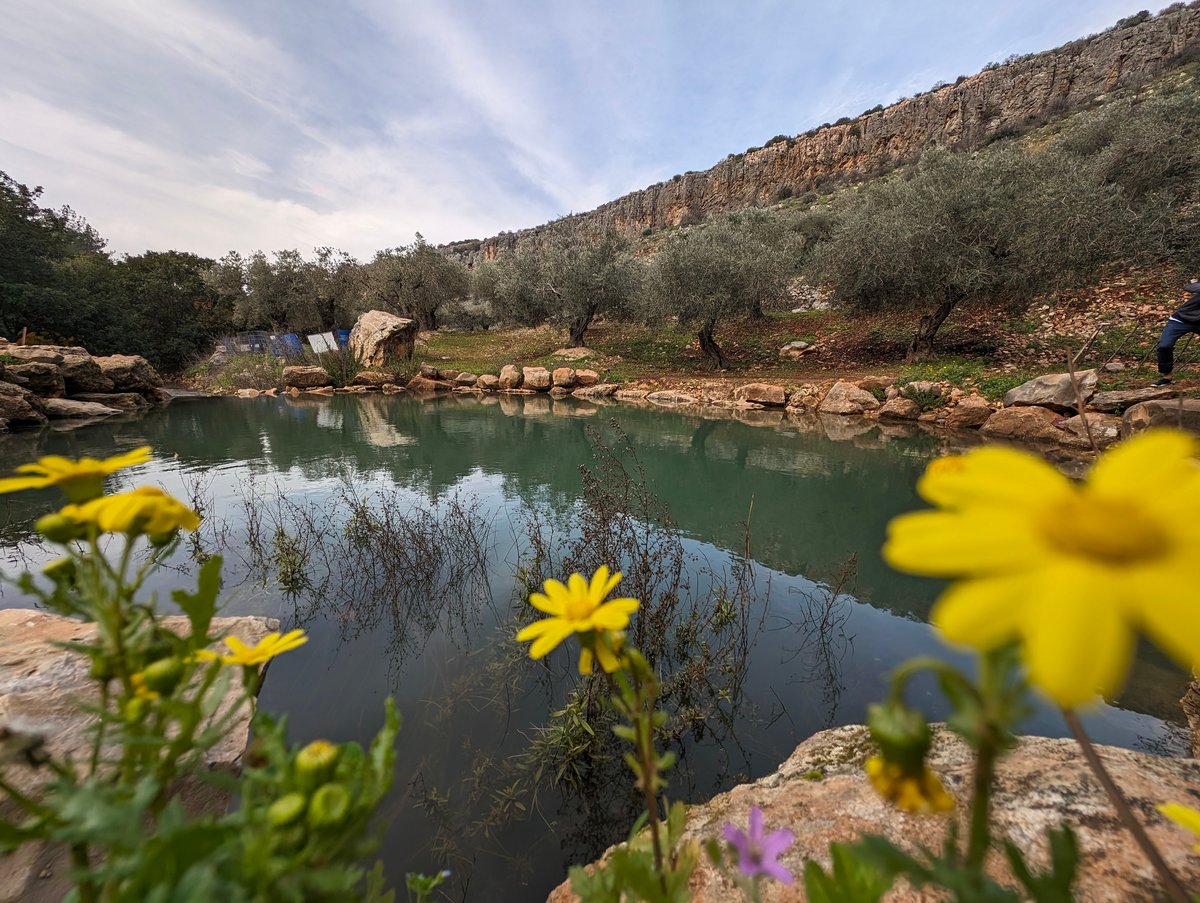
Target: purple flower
(758,854)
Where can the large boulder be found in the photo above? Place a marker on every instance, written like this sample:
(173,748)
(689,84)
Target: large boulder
(1121,400)
(306,377)
(467,380)
(19,406)
(971,412)
(40,354)
(510,377)
(762,393)
(39,378)
(535,378)
(900,408)
(125,401)
(1055,391)
(130,373)
(586,377)
(1102,429)
(44,688)
(1029,424)
(599,390)
(72,409)
(372,378)
(846,398)
(82,373)
(379,337)
(563,377)
(488,381)
(1183,413)
(823,793)
(425,385)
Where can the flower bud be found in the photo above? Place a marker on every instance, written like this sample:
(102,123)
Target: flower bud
(62,571)
(315,764)
(286,810)
(901,733)
(58,528)
(134,709)
(329,806)
(163,676)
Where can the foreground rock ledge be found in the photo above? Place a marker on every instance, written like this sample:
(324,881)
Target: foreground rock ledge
(41,686)
(1040,784)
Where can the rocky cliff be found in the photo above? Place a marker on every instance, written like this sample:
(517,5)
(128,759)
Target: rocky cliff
(996,101)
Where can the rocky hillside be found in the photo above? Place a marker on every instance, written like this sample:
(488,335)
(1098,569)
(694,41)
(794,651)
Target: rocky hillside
(999,100)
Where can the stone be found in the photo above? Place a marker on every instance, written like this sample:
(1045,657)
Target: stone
(488,381)
(247,393)
(1105,428)
(1179,412)
(900,408)
(126,401)
(925,388)
(510,377)
(535,378)
(1114,367)
(82,373)
(670,398)
(423,384)
(305,376)
(41,354)
(631,394)
(846,398)
(392,389)
(1054,391)
(129,372)
(72,409)
(574,354)
(823,794)
(1027,424)
(19,406)
(600,390)
(795,349)
(762,393)
(372,378)
(466,379)
(563,377)
(379,338)
(1119,401)
(875,383)
(559,392)
(971,412)
(42,687)
(320,390)
(806,397)
(1191,710)
(587,377)
(430,372)
(39,378)
(161,397)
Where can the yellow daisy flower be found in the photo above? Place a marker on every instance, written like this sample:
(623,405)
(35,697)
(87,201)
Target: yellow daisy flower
(143,510)
(921,793)
(80,480)
(1072,570)
(579,608)
(1184,816)
(264,650)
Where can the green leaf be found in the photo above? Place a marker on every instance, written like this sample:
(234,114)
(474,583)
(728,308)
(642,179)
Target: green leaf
(854,879)
(1055,885)
(201,606)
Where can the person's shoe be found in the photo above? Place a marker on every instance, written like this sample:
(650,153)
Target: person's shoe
(1165,381)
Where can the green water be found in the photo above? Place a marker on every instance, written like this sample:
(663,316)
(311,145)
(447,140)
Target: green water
(439,639)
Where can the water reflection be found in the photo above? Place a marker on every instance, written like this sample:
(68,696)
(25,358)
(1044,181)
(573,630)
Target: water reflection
(403,535)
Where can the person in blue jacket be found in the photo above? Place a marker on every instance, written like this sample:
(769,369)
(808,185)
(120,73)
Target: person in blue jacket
(1186,319)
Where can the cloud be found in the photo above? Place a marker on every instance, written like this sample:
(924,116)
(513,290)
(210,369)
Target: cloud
(210,125)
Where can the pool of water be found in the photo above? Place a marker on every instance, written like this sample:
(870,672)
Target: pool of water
(398,533)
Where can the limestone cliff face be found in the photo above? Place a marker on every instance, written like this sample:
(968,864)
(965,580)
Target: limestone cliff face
(963,115)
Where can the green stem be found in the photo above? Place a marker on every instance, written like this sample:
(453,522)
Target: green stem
(981,803)
(79,858)
(649,780)
(1175,890)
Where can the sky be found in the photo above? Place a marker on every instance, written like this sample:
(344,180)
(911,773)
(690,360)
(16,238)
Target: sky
(211,125)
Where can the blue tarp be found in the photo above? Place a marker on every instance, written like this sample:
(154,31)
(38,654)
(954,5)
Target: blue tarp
(343,337)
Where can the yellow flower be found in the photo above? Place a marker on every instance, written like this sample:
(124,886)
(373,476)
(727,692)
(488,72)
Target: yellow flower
(140,690)
(1072,570)
(1183,815)
(267,648)
(143,510)
(921,792)
(579,607)
(80,480)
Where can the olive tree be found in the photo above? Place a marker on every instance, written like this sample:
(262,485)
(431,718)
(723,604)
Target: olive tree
(414,281)
(1003,224)
(584,276)
(711,274)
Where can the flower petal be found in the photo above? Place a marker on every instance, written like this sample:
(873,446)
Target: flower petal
(961,543)
(614,615)
(1144,464)
(546,604)
(1079,644)
(994,476)
(602,584)
(555,632)
(16,484)
(982,613)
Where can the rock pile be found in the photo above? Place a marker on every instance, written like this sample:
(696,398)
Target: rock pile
(513,380)
(50,382)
